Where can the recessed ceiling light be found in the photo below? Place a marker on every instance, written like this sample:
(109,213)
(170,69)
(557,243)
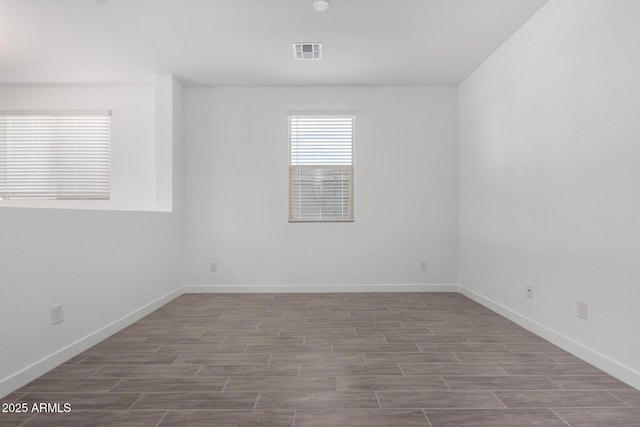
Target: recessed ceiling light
(320,5)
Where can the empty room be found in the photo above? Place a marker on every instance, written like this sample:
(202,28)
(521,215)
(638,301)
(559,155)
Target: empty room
(319,213)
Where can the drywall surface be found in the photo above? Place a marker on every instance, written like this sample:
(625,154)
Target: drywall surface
(406,201)
(103,266)
(133,181)
(549,177)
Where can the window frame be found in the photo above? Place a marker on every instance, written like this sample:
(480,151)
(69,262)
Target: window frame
(351,167)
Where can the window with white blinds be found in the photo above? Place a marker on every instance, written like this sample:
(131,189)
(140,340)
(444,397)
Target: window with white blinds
(54,155)
(321,167)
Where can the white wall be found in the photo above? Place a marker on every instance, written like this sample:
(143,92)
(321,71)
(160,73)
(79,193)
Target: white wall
(168,127)
(549,175)
(103,266)
(133,181)
(406,197)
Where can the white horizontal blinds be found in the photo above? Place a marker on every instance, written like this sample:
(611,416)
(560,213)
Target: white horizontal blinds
(321,168)
(321,194)
(321,140)
(59,155)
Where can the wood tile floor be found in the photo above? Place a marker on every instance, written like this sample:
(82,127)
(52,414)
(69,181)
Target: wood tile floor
(379,359)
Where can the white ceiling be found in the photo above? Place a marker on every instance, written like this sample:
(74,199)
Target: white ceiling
(248,42)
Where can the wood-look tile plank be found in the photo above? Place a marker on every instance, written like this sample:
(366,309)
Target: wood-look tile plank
(389,382)
(549,369)
(346,369)
(284,321)
(211,400)
(166,332)
(98,419)
(228,417)
(85,401)
(309,331)
(131,359)
(599,417)
(54,385)
(410,357)
(125,350)
(326,324)
(557,399)
(245,332)
(461,347)
(170,385)
(288,348)
(362,331)
(321,313)
(344,340)
(213,324)
(525,347)
(503,357)
(73,371)
(284,383)
(177,340)
(470,332)
(272,369)
(438,399)
(277,340)
(223,359)
(505,339)
(201,349)
(147,371)
(317,358)
(376,348)
(360,417)
(493,418)
(13,396)
(589,382)
(397,315)
(343,323)
(450,369)
(630,397)
(425,339)
(503,382)
(328,400)
(440,325)
(13,419)
(120,339)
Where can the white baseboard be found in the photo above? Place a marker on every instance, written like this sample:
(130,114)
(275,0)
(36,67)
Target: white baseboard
(419,287)
(600,361)
(44,365)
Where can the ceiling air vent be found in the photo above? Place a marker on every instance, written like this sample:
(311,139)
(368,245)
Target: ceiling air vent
(307,51)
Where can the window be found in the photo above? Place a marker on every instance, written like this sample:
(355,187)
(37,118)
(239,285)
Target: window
(321,167)
(54,155)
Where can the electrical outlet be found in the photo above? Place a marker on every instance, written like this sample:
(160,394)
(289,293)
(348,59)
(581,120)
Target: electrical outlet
(424,265)
(57,314)
(583,310)
(529,290)
(213,267)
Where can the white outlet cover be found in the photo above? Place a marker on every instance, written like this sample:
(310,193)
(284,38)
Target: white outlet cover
(57,314)
(213,267)
(529,290)
(583,310)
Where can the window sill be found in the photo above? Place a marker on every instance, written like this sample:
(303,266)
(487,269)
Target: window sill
(86,205)
(320,220)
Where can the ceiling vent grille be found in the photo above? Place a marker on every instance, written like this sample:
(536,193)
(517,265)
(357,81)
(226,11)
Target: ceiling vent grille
(307,51)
